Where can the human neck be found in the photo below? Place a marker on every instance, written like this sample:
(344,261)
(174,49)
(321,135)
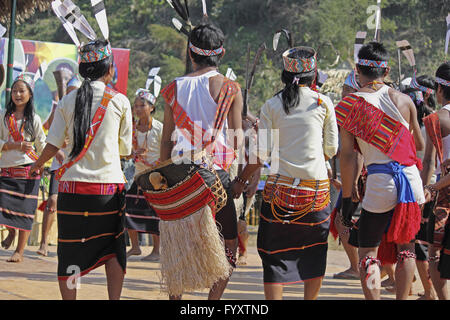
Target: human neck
(19,111)
(145,121)
(202,69)
(365,82)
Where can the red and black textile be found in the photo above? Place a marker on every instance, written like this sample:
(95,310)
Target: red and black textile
(91,225)
(139,215)
(18,197)
(293,252)
(444,261)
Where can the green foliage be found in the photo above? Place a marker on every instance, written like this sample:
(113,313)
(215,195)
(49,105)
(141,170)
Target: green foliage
(144,26)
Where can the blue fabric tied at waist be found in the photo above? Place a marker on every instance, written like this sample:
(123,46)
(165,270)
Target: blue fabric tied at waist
(405,193)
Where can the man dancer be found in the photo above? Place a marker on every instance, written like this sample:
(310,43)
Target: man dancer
(382,119)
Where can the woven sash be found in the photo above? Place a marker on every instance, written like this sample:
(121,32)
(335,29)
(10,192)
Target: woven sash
(207,139)
(378,129)
(17,135)
(92,131)
(290,195)
(442,207)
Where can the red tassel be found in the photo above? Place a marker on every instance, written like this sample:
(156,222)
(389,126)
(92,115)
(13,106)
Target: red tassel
(333,230)
(405,223)
(43,205)
(387,252)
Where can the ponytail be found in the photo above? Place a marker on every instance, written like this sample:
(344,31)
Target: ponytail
(290,95)
(82,116)
(90,71)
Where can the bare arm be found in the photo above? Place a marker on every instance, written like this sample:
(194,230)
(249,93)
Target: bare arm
(234,119)
(347,162)
(166,139)
(428,163)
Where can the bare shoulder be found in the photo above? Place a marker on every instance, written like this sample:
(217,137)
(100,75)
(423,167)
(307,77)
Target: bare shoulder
(403,103)
(444,121)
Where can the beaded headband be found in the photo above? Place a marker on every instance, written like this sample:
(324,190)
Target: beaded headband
(27,79)
(146,95)
(416,95)
(351,81)
(443,82)
(415,85)
(373,63)
(205,52)
(299,65)
(96,55)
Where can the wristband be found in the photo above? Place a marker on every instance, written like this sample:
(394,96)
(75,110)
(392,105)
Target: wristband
(432,190)
(348,209)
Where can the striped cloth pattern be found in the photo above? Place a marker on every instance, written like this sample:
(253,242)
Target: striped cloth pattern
(90,227)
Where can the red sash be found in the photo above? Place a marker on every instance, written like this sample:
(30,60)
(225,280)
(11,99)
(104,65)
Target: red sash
(17,135)
(372,125)
(92,131)
(189,128)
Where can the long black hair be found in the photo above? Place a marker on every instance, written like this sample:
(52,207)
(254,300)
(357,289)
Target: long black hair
(83,104)
(28,113)
(290,95)
(427,81)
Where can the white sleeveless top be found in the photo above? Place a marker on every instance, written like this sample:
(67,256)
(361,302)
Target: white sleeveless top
(194,97)
(445,146)
(381,194)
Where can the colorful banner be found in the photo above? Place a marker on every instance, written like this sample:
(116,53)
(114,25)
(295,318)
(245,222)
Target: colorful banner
(28,57)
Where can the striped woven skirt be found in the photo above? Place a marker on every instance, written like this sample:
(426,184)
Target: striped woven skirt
(91,224)
(294,252)
(139,215)
(18,197)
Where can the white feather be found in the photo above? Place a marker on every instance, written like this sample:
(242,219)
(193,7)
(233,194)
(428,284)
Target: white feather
(276,39)
(178,25)
(205,11)
(157,86)
(41,71)
(231,75)
(102,19)
(2,30)
(68,8)
(69,28)
(151,76)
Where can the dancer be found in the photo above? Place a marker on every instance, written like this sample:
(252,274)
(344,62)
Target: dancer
(298,131)
(98,124)
(250,127)
(337,228)
(197,106)
(393,188)
(421,244)
(438,132)
(147,133)
(20,133)
(49,213)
